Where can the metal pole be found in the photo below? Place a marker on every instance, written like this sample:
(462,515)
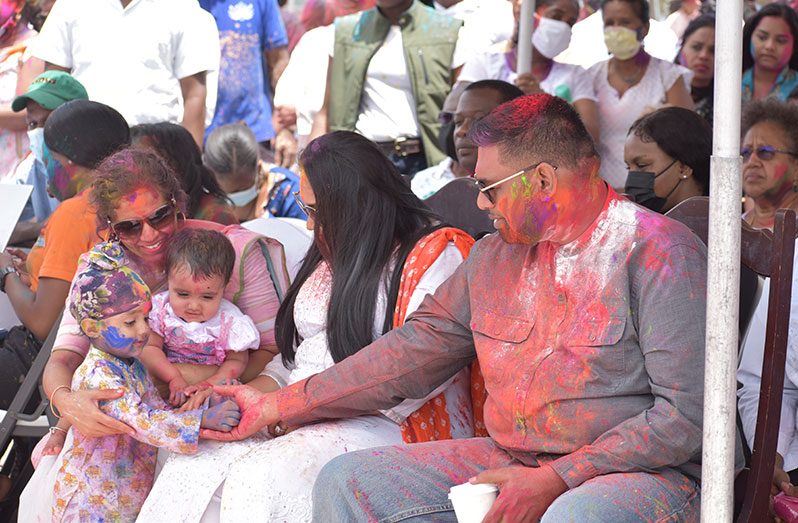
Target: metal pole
(524,57)
(723,283)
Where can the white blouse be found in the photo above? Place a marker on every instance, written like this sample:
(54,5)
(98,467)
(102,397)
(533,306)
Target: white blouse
(618,113)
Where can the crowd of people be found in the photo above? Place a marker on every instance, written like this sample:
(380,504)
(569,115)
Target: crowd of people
(560,357)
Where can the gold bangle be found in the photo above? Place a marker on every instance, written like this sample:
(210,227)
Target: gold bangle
(52,397)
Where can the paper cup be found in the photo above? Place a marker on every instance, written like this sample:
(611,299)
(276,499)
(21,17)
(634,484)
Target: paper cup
(472,502)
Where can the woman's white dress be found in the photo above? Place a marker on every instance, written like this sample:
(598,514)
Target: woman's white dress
(267,479)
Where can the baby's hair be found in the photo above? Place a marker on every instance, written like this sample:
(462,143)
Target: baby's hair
(206,253)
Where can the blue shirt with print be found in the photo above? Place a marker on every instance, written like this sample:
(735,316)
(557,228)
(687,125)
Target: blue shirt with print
(247,28)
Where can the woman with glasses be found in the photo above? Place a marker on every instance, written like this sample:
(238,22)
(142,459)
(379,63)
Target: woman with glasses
(378,251)
(770,160)
(140,202)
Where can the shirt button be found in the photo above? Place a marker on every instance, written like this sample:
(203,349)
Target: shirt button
(592,337)
(560,298)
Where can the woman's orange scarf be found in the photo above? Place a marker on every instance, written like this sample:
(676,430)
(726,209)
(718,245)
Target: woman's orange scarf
(431,421)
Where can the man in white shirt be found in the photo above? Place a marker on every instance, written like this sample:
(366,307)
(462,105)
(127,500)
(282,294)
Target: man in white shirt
(146,58)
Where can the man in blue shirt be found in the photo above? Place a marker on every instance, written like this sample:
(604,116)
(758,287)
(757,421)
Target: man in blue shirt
(251,33)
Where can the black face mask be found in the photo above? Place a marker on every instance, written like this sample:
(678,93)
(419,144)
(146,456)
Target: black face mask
(640,188)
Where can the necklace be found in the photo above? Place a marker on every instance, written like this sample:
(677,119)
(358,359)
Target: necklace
(629,80)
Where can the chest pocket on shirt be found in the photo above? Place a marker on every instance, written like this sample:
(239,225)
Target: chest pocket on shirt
(597,344)
(498,340)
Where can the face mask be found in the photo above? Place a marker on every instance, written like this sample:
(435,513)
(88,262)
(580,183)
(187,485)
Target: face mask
(551,37)
(58,177)
(242,198)
(36,139)
(621,42)
(640,188)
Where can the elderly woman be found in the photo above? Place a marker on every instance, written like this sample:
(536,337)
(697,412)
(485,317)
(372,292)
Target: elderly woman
(667,153)
(377,252)
(139,200)
(770,160)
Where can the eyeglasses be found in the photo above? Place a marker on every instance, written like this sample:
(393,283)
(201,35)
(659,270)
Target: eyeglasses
(486,189)
(160,218)
(763,152)
(309,211)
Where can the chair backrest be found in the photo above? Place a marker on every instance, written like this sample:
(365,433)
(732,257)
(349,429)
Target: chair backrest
(456,203)
(292,233)
(769,254)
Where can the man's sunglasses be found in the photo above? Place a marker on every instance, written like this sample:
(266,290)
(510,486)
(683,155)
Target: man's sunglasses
(309,210)
(763,152)
(487,190)
(160,218)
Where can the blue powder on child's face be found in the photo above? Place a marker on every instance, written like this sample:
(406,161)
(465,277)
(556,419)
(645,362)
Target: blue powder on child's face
(119,344)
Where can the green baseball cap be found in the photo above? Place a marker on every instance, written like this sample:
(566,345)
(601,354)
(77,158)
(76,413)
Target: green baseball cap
(51,89)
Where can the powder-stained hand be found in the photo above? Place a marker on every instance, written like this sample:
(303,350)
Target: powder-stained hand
(222,417)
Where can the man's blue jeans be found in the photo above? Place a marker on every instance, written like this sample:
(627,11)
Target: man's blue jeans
(411,483)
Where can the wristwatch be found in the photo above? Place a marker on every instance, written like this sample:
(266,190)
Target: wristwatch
(5,271)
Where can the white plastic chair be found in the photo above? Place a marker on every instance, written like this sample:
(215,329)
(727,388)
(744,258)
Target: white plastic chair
(291,232)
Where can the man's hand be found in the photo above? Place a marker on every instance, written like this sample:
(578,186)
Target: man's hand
(285,148)
(525,493)
(258,410)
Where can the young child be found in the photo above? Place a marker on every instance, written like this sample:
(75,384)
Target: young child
(107,478)
(191,322)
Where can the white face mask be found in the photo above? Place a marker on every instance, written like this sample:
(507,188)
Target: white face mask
(551,37)
(622,43)
(36,139)
(242,198)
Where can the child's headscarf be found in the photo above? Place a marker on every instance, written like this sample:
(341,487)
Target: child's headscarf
(105,286)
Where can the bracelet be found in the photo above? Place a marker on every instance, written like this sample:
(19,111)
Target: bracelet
(52,430)
(52,396)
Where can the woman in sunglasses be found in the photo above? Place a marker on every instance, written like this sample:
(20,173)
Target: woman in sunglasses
(370,230)
(770,160)
(140,202)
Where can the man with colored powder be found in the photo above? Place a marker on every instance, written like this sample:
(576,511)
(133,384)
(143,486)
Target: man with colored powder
(586,313)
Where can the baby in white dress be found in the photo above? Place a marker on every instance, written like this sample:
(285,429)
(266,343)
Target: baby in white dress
(191,322)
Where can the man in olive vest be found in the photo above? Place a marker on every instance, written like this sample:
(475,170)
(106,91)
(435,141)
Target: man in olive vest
(391,68)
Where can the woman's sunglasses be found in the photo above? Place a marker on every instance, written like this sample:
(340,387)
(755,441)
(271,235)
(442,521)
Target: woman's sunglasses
(160,218)
(309,211)
(763,152)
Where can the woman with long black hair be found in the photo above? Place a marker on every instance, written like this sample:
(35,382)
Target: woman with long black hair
(377,251)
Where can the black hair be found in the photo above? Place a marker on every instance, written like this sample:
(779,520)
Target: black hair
(640,7)
(681,134)
(367,220)
(232,149)
(771,110)
(694,25)
(505,90)
(86,132)
(536,127)
(177,147)
(780,11)
(206,253)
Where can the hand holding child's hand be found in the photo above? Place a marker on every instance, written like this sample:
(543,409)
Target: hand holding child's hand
(177,391)
(197,387)
(222,417)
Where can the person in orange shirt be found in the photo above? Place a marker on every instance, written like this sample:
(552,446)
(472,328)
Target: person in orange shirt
(78,136)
